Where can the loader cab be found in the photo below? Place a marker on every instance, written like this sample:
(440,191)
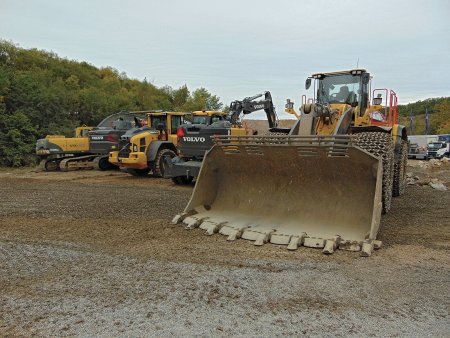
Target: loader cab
(207,117)
(342,88)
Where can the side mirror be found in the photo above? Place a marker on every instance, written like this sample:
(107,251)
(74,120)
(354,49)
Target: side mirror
(307,83)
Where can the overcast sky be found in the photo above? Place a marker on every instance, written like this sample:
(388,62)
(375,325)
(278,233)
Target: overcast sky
(240,48)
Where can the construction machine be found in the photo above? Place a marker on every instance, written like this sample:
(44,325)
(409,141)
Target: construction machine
(90,146)
(195,139)
(324,184)
(142,150)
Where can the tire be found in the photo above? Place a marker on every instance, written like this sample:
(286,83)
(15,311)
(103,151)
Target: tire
(138,172)
(380,144)
(51,165)
(399,183)
(182,180)
(159,165)
(102,163)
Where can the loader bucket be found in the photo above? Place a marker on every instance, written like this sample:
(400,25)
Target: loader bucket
(314,191)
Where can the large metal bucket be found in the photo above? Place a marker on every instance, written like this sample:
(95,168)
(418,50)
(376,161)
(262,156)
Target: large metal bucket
(313,191)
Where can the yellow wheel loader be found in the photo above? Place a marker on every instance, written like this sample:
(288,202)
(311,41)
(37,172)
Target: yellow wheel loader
(323,184)
(143,150)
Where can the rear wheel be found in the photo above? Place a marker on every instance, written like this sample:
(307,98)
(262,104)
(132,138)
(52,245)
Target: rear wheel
(159,165)
(380,144)
(399,184)
(138,172)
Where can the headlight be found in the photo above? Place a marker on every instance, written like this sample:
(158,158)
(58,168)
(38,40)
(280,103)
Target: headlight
(135,148)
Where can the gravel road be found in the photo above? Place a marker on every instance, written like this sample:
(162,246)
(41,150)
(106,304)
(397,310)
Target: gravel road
(94,254)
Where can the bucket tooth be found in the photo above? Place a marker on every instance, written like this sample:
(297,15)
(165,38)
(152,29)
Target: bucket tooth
(367,248)
(295,242)
(234,235)
(211,227)
(179,218)
(313,242)
(192,222)
(262,239)
(331,245)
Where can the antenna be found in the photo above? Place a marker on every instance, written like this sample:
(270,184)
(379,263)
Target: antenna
(357,63)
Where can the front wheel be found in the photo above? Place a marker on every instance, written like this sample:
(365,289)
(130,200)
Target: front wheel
(159,165)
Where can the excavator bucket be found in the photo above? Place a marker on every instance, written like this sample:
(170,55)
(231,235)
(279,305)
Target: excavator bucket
(315,191)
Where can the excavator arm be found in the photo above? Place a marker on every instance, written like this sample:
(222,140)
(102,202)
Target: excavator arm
(250,105)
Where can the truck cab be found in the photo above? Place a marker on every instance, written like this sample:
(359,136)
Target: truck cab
(438,149)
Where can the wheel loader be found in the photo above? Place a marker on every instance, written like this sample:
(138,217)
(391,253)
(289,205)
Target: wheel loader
(89,148)
(323,184)
(143,151)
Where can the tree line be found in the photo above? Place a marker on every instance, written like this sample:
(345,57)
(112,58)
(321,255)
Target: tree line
(414,115)
(42,93)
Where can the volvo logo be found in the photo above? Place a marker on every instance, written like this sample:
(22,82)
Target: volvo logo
(193,139)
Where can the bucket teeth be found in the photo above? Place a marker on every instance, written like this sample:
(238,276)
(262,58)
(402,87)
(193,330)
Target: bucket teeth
(262,239)
(211,227)
(234,235)
(179,218)
(295,242)
(192,222)
(331,245)
(367,248)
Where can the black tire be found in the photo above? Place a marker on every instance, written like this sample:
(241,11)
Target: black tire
(380,144)
(102,163)
(182,180)
(51,165)
(399,183)
(138,172)
(159,165)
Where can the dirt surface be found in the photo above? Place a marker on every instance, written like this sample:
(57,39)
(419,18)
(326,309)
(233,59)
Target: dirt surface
(94,254)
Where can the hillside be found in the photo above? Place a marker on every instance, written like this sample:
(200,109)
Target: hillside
(42,93)
(438,115)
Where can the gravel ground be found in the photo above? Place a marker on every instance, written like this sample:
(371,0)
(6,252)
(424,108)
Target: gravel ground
(94,254)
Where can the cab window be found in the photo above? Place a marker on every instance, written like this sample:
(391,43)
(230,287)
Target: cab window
(175,123)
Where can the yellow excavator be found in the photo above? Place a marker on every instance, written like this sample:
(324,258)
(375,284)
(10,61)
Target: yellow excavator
(324,183)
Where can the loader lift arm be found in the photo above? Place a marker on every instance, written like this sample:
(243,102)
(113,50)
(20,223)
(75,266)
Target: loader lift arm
(250,105)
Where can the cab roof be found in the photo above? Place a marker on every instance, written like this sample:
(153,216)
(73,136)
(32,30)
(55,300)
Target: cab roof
(165,113)
(208,113)
(341,72)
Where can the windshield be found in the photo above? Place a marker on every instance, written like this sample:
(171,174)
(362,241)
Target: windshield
(155,120)
(339,89)
(435,145)
(198,119)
